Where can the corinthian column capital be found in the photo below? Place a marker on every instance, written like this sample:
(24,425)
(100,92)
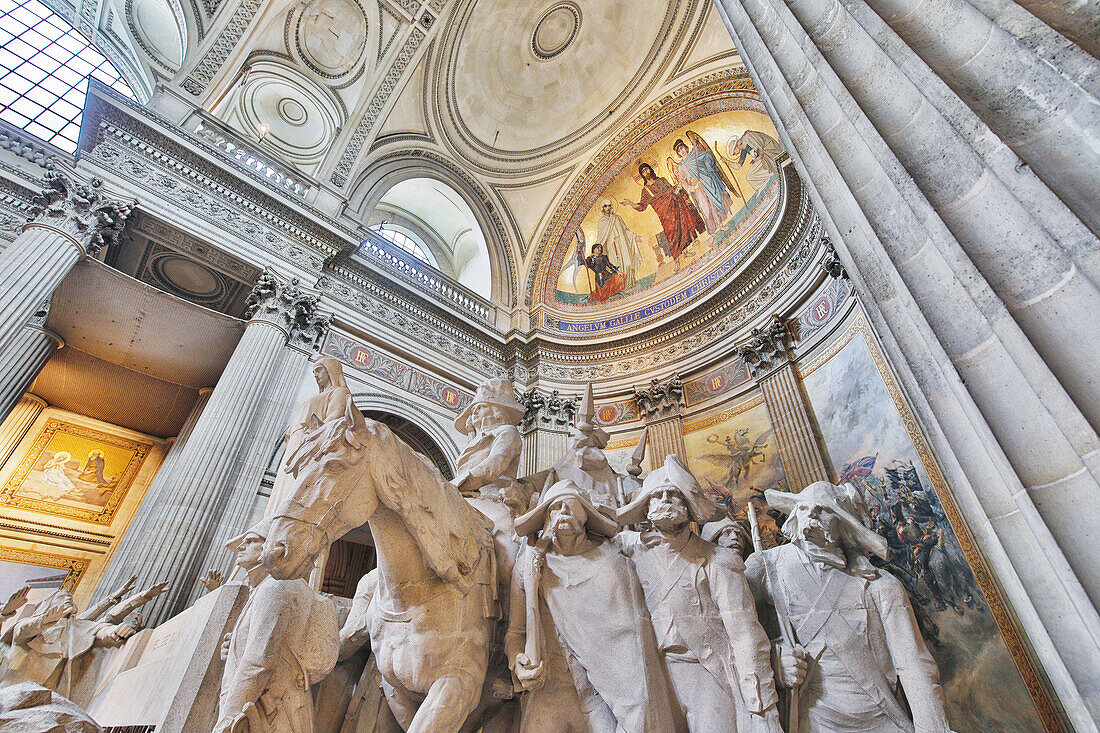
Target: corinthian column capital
(285,305)
(766,348)
(308,329)
(79,211)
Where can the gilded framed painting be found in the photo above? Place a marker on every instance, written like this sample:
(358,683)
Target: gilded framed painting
(42,572)
(76,472)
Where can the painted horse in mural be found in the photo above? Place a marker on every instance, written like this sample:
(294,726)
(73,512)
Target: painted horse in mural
(435,606)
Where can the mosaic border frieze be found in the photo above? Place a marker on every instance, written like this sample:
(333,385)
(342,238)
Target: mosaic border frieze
(369,360)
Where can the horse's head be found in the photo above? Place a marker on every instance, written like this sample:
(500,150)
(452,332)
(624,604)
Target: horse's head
(292,547)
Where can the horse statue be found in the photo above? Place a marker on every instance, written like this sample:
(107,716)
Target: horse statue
(435,606)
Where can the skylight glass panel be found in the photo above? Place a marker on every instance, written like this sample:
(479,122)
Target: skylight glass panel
(44,70)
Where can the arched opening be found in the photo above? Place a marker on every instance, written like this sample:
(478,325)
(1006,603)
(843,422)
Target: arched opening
(433,222)
(353,555)
(492,278)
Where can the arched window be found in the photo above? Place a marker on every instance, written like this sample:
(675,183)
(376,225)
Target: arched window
(441,226)
(405,242)
(44,69)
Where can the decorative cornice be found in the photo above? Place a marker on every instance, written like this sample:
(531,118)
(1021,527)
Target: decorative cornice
(660,401)
(78,210)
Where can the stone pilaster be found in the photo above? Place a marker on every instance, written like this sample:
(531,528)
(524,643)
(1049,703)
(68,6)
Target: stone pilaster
(661,406)
(767,354)
(865,94)
(24,358)
(545,429)
(188,506)
(19,420)
(72,220)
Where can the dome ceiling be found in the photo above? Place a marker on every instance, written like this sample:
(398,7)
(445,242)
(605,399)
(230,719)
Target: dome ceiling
(529,84)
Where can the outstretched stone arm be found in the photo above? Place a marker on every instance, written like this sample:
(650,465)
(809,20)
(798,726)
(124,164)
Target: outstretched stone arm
(919,675)
(91,614)
(750,645)
(123,609)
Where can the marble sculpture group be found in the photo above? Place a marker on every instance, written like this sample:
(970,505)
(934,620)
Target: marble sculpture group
(577,600)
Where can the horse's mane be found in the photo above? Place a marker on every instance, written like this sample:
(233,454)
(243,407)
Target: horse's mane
(344,456)
(450,533)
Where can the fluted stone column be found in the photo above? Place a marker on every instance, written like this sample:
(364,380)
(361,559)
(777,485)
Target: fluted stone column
(1014,439)
(72,221)
(767,354)
(24,358)
(183,508)
(268,429)
(1031,269)
(544,429)
(1047,119)
(661,406)
(185,432)
(19,420)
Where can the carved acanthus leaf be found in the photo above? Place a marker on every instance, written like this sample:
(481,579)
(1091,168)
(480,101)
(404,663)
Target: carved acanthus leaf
(767,347)
(287,305)
(661,400)
(79,209)
(550,411)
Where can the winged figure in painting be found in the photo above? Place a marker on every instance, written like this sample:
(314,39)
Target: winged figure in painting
(739,455)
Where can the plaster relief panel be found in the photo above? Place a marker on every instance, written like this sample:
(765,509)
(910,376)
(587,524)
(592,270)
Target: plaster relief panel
(330,36)
(285,110)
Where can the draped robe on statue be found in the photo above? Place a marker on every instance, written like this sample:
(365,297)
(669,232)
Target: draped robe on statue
(332,403)
(599,613)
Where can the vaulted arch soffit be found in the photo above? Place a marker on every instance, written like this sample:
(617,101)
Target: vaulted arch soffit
(434,427)
(388,169)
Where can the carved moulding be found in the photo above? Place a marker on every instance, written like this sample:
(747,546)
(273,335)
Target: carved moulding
(434,330)
(203,205)
(144,135)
